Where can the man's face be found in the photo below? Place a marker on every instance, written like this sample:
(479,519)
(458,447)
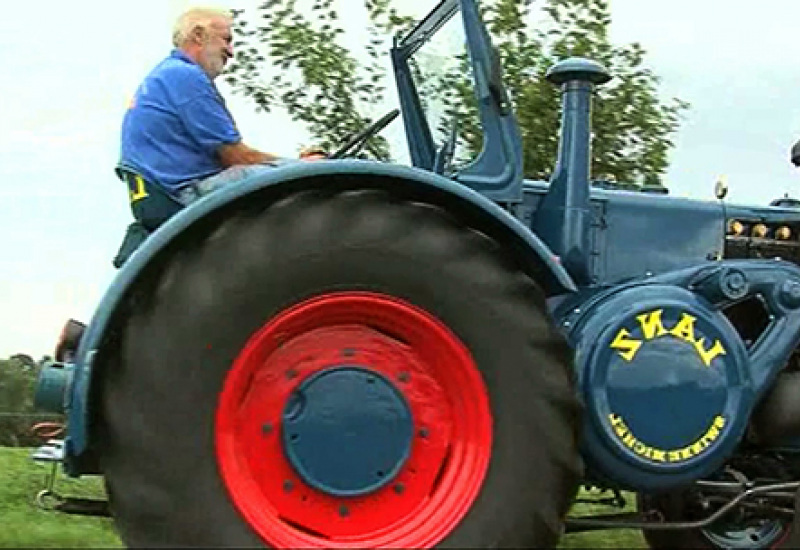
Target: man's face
(217,47)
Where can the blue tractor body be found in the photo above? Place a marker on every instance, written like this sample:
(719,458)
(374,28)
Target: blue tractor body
(682,314)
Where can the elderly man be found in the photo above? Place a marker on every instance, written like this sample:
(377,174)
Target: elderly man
(179,141)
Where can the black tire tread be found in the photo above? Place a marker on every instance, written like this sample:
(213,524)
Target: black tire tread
(172,320)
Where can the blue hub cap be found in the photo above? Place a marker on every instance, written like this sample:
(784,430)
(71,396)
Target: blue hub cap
(347,430)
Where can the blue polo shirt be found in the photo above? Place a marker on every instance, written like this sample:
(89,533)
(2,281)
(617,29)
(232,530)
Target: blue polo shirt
(174,125)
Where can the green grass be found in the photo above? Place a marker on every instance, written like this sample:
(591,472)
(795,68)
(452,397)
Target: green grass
(614,538)
(24,525)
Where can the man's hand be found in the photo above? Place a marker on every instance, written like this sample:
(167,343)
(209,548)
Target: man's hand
(313,153)
(239,153)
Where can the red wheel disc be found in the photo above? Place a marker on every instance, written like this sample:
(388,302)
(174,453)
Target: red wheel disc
(428,365)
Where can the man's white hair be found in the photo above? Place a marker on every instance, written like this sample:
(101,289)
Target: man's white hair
(194,18)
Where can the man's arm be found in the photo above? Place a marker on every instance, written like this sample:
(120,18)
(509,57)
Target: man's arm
(231,154)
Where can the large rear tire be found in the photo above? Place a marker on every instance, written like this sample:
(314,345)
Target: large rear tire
(319,268)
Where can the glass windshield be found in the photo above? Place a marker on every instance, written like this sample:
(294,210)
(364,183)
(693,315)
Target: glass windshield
(442,76)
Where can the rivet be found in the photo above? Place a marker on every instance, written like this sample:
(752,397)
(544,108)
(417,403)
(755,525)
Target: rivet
(348,352)
(399,488)
(288,485)
(423,432)
(291,373)
(404,377)
(344,511)
(266,429)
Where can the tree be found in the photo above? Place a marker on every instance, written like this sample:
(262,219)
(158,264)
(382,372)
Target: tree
(322,84)
(316,79)
(17,380)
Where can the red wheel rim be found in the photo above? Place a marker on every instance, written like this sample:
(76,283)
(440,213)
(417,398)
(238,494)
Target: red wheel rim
(431,368)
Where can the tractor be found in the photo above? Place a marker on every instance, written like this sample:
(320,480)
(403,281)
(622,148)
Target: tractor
(360,354)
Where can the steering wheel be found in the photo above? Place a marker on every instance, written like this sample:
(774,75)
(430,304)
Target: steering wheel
(357,142)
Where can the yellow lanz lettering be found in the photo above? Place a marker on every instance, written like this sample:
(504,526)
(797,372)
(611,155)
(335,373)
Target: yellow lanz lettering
(685,328)
(652,327)
(627,346)
(708,355)
(140,192)
(697,447)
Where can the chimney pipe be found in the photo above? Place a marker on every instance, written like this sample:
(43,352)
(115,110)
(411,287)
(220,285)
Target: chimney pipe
(563,218)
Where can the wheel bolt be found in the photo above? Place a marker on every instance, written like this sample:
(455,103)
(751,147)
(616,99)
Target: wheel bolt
(348,352)
(399,488)
(288,486)
(344,511)
(404,377)
(423,433)
(266,429)
(291,374)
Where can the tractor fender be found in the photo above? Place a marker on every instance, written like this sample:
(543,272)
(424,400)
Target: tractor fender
(470,207)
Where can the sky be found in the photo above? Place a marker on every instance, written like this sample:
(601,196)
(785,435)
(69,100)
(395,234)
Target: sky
(71,67)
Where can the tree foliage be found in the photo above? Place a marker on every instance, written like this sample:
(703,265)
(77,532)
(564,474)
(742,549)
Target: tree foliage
(311,74)
(17,380)
(292,55)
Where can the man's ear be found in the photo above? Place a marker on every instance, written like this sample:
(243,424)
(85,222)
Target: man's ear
(199,35)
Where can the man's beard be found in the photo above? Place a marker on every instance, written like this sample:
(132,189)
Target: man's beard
(214,63)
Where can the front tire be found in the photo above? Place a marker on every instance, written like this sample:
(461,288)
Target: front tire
(725,533)
(193,342)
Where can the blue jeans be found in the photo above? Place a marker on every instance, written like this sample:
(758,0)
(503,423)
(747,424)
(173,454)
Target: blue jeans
(151,206)
(232,175)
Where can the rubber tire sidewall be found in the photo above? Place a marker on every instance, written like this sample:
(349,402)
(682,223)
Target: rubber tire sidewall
(185,326)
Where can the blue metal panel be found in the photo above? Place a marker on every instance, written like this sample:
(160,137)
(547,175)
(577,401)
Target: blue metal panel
(625,227)
(408,182)
(347,430)
(650,407)
(645,234)
(766,214)
(668,384)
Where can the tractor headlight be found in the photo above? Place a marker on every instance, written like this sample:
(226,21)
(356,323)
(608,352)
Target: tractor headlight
(759,231)
(735,228)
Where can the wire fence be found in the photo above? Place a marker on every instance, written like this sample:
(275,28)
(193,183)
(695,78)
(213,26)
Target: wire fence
(28,428)
(29,415)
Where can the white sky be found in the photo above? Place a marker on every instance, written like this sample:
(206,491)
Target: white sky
(70,68)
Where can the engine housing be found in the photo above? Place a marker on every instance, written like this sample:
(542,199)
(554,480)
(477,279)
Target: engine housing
(665,382)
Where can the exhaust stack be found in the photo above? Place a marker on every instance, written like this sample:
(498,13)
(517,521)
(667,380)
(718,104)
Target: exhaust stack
(563,217)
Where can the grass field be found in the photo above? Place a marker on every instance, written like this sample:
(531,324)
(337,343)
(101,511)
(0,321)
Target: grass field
(23,525)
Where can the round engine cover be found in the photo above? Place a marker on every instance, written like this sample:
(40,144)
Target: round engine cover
(665,384)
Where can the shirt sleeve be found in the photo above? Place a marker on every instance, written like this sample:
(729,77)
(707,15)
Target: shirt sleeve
(208,122)
(201,109)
